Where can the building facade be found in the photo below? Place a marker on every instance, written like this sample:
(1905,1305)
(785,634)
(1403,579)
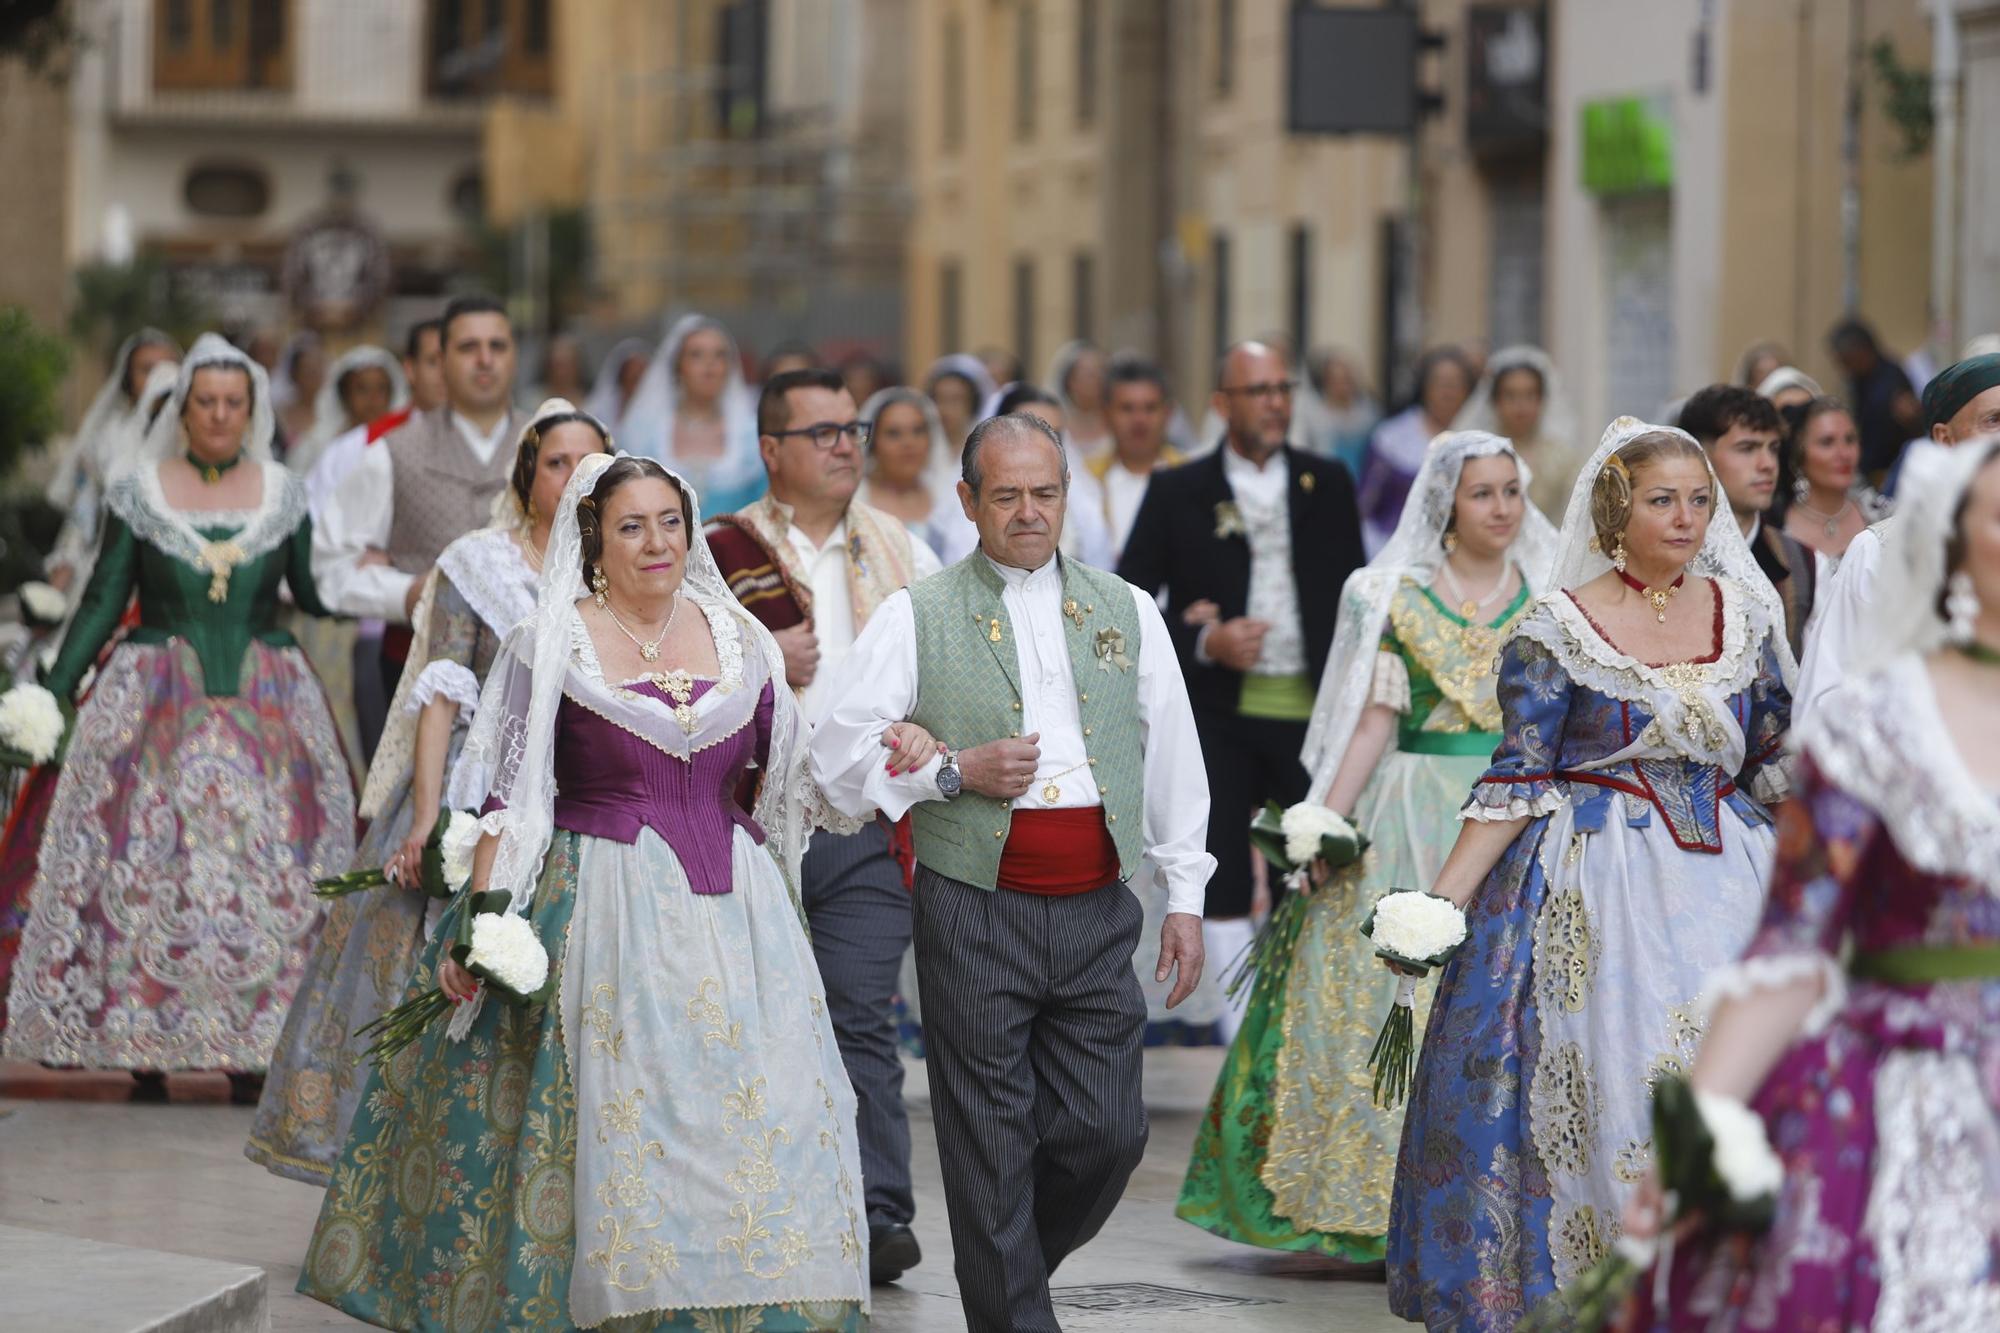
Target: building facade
(296,162)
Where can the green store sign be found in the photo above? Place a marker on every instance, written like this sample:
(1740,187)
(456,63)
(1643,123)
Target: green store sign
(1628,145)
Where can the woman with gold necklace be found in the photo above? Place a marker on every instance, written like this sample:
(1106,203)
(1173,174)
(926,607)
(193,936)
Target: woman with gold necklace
(482,586)
(1613,852)
(1294,1154)
(668,1140)
(204,788)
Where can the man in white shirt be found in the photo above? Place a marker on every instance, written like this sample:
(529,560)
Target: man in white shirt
(423,370)
(1251,545)
(1136,410)
(1071,767)
(1961,403)
(425,484)
(814,565)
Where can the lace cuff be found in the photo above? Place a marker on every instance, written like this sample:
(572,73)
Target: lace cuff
(1762,972)
(1772,782)
(443,679)
(1499,802)
(1391,685)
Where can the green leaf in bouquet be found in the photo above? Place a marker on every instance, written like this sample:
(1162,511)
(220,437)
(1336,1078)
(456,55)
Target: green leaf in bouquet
(433,860)
(1267,835)
(354,881)
(1343,850)
(1684,1150)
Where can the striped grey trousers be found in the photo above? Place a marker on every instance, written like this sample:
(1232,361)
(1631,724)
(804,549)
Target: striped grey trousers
(1033,1033)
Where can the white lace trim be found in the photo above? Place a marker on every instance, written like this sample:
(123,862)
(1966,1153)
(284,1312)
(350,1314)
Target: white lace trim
(1391,685)
(1772,781)
(1879,738)
(139,499)
(445,679)
(490,573)
(1518,807)
(1743,979)
(1559,624)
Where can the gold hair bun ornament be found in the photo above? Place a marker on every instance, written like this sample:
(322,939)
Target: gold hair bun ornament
(1614,462)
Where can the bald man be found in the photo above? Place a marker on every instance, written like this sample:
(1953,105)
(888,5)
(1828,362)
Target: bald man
(1251,544)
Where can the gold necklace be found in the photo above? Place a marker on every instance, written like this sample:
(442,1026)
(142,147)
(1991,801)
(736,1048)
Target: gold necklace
(1659,597)
(1830,522)
(1052,789)
(1467,608)
(649,651)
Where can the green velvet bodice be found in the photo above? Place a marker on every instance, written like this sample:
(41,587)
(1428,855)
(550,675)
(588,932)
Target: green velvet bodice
(174,603)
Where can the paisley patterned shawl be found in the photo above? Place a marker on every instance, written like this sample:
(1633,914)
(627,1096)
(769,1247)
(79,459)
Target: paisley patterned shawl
(879,561)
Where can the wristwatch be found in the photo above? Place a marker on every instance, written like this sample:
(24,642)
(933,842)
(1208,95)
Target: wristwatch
(949,782)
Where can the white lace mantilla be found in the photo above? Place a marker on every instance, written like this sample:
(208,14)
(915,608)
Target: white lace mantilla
(493,577)
(1689,701)
(1880,738)
(139,499)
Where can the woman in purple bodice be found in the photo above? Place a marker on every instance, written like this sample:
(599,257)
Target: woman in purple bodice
(1863,1022)
(668,1142)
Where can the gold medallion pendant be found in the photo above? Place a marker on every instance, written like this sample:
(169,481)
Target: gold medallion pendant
(1051,792)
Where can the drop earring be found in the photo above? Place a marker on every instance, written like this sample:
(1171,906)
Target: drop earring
(1961,608)
(598,583)
(1450,541)
(1618,554)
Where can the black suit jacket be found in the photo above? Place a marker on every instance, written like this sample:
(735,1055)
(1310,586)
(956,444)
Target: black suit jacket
(1174,546)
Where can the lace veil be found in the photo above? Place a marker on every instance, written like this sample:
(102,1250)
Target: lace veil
(606,401)
(1414,552)
(511,748)
(941,471)
(1903,609)
(1723,554)
(330,414)
(648,424)
(165,440)
(93,452)
(1558,423)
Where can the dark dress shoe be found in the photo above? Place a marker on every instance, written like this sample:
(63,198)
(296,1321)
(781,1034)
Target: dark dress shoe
(892,1252)
(148,1085)
(245,1089)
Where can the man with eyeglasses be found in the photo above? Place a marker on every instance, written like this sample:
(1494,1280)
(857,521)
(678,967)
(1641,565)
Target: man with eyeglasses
(1251,544)
(813,564)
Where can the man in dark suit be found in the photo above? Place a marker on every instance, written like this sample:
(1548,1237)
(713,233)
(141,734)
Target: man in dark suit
(1251,544)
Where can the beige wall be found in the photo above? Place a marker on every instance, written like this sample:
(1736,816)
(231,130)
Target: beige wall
(1782,271)
(33,271)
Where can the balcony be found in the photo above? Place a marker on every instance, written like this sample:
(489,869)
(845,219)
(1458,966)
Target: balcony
(346,65)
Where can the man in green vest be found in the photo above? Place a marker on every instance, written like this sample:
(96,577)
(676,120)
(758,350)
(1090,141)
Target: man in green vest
(1068,776)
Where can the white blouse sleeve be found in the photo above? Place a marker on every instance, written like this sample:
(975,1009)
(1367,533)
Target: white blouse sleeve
(874,687)
(355,520)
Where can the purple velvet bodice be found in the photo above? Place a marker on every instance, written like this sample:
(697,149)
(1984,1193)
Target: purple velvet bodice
(610,784)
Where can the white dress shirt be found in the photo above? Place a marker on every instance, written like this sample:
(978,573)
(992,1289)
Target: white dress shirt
(825,568)
(1839,613)
(1123,492)
(356,520)
(335,462)
(1259,491)
(877,685)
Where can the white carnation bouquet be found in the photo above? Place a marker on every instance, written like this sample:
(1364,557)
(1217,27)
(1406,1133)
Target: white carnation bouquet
(495,944)
(447,864)
(1715,1162)
(32,723)
(1416,932)
(1292,841)
(42,604)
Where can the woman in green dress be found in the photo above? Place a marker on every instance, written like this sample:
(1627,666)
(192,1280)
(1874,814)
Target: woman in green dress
(1294,1154)
(204,788)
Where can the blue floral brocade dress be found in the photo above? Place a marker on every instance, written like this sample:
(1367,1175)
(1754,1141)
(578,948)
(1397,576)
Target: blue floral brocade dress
(1641,870)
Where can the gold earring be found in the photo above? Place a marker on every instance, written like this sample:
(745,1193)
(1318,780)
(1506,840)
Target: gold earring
(1450,541)
(598,583)
(1618,554)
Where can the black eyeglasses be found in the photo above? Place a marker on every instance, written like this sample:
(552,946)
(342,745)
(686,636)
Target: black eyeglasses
(826,434)
(1274,389)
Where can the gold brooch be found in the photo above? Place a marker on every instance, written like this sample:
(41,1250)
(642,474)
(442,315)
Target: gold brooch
(1111,650)
(1074,612)
(1229,520)
(1306,482)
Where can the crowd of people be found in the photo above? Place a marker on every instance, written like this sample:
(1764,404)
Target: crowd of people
(808,722)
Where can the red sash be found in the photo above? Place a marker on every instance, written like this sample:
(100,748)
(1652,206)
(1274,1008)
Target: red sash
(1056,853)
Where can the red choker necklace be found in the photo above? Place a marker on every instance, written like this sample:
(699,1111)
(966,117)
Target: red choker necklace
(1659,597)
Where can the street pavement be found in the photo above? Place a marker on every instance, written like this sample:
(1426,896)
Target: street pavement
(80,1161)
